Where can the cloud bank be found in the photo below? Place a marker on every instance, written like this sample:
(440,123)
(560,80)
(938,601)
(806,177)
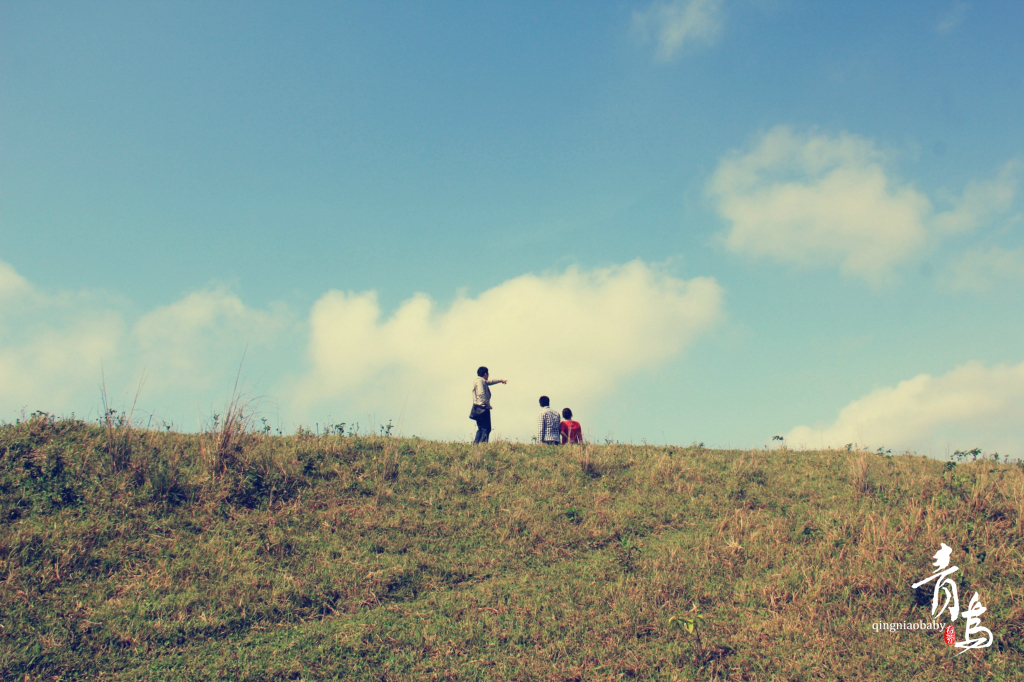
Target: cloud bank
(571,335)
(816,200)
(673,25)
(56,350)
(971,406)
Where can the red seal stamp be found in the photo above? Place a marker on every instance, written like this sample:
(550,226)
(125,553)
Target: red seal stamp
(949,635)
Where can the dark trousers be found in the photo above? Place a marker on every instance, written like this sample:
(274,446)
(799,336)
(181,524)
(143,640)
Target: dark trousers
(483,427)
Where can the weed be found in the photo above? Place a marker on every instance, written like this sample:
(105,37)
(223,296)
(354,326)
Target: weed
(168,483)
(335,429)
(388,463)
(691,624)
(120,431)
(626,555)
(588,465)
(1016,489)
(227,436)
(979,497)
(860,470)
(973,453)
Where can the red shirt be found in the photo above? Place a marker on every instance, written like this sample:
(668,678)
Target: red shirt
(571,432)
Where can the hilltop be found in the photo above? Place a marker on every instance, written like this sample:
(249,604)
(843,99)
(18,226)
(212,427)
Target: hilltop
(141,555)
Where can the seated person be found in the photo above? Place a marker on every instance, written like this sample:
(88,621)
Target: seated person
(571,431)
(547,423)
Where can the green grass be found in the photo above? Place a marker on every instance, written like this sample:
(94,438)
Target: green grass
(244,557)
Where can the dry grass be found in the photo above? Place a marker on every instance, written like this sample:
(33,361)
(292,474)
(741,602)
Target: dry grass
(860,471)
(122,437)
(379,558)
(230,431)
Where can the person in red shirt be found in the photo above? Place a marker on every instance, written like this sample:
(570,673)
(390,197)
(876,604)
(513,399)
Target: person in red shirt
(571,431)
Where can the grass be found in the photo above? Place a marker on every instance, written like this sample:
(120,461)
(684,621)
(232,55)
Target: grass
(376,558)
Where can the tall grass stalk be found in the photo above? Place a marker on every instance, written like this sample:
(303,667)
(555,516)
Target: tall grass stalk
(119,428)
(229,430)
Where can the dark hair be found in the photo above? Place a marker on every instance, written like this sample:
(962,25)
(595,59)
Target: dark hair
(481,371)
(544,401)
(567,413)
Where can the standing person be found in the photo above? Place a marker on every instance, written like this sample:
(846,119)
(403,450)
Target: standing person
(547,423)
(571,431)
(481,412)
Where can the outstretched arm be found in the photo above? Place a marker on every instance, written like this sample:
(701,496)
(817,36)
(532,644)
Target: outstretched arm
(496,381)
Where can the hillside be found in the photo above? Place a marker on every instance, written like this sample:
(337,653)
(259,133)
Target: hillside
(139,555)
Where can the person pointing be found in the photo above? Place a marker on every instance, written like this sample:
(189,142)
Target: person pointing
(481,412)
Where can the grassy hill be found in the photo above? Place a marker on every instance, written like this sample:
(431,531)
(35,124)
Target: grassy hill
(139,555)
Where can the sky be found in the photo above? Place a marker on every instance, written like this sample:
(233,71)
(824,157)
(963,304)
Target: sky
(713,221)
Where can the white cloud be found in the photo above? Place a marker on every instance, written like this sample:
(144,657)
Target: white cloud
(983,269)
(57,349)
(50,346)
(971,406)
(11,283)
(675,24)
(980,201)
(815,200)
(812,199)
(571,335)
(952,16)
(53,366)
(193,343)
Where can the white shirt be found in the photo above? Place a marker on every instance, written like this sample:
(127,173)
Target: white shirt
(482,394)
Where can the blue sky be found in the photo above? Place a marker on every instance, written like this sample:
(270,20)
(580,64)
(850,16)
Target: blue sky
(689,221)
